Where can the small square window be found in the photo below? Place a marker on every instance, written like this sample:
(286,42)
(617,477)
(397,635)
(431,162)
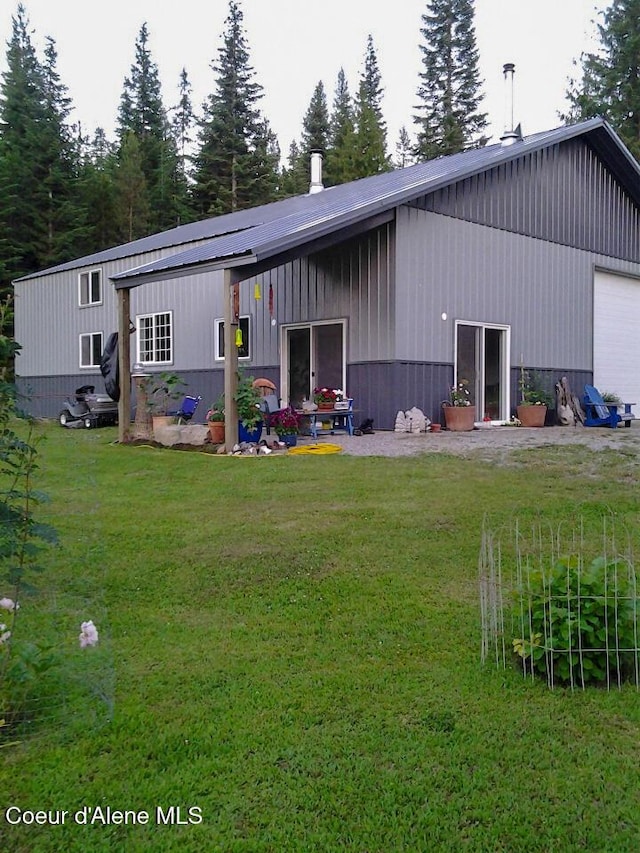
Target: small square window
(90,287)
(244,351)
(91,348)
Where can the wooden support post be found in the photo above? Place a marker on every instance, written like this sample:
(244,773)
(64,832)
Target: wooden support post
(124,364)
(231,324)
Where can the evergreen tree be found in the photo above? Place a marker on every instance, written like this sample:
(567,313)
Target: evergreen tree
(230,170)
(610,81)
(98,194)
(131,197)
(450,90)
(295,178)
(315,124)
(183,122)
(339,166)
(38,214)
(371,132)
(142,113)
(404,150)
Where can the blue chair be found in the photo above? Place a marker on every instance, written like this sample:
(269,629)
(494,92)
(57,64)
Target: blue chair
(597,412)
(187,409)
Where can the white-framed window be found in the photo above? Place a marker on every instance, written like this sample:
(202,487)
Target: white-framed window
(90,287)
(91,349)
(244,351)
(155,338)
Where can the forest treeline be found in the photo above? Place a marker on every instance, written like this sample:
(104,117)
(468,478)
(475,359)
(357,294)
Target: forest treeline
(64,195)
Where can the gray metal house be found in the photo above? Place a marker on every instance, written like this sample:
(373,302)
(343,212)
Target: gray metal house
(392,287)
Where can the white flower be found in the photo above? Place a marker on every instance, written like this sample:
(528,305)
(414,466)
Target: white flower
(5,636)
(89,635)
(9,604)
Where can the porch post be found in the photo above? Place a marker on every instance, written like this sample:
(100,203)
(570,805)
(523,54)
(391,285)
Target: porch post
(231,324)
(124,365)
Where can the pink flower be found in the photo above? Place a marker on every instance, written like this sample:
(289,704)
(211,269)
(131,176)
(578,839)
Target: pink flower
(89,635)
(9,604)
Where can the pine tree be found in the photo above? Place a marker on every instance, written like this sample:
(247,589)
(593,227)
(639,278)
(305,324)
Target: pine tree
(131,199)
(229,172)
(97,186)
(371,132)
(315,137)
(610,78)
(315,125)
(295,178)
(142,113)
(404,150)
(450,90)
(341,148)
(39,217)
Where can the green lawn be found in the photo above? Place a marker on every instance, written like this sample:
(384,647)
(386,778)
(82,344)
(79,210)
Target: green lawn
(291,646)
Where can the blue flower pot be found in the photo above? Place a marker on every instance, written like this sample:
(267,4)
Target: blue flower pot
(250,435)
(289,440)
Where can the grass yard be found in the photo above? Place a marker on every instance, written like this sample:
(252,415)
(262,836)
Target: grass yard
(291,647)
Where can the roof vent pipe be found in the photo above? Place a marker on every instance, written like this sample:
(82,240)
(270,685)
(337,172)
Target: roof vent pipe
(510,134)
(316,185)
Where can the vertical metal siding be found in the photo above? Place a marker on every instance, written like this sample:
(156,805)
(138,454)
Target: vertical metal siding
(562,194)
(475,273)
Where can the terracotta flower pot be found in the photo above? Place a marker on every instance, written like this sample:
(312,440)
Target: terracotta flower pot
(216,432)
(459,418)
(532,416)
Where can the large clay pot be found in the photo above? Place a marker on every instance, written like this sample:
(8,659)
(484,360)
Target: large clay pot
(532,416)
(459,418)
(216,432)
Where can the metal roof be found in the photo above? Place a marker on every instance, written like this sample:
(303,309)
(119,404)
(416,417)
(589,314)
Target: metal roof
(261,233)
(339,207)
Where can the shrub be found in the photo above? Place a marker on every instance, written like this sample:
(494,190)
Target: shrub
(579,624)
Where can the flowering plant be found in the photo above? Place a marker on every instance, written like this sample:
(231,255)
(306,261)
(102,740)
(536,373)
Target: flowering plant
(460,394)
(326,395)
(285,422)
(216,412)
(531,391)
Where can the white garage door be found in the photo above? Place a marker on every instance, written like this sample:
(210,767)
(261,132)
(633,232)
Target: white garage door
(616,336)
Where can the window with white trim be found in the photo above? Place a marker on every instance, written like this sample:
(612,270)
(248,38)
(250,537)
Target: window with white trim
(244,351)
(90,287)
(155,338)
(91,349)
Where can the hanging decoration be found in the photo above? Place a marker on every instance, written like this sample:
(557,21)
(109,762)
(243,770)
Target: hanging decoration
(256,291)
(238,337)
(271,300)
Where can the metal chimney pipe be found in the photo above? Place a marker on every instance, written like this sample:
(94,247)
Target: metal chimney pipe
(316,185)
(510,134)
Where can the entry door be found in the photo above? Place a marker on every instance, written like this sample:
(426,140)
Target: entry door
(482,364)
(314,357)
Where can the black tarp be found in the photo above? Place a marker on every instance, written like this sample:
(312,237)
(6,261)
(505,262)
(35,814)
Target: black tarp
(110,368)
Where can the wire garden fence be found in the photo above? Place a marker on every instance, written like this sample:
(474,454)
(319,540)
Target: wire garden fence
(562,602)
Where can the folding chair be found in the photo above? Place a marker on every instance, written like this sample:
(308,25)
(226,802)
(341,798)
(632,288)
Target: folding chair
(187,409)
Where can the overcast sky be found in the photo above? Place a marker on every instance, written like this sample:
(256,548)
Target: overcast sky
(295,43)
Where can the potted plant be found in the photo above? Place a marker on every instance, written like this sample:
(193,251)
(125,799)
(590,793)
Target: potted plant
(215,421)
(286,424)
(534,400)
(248,399)
(459,411)
(325,398)
(162,391)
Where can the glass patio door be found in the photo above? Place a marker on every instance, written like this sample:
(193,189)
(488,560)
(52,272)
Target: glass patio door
(482,364)
(314,357)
